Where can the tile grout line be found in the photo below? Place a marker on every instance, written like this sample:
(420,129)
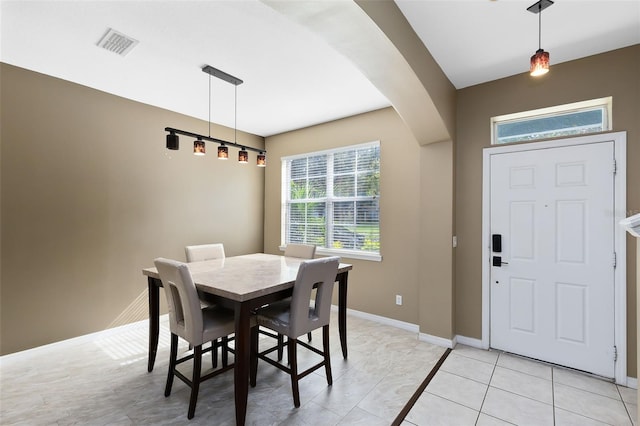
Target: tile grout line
(487,391)
(405,410)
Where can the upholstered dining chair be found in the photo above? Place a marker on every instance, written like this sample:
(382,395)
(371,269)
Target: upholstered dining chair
(302,251)
(198,253)
(201,252)
(193,323)
(298,318)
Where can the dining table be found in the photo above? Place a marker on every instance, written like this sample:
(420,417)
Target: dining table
(243,283)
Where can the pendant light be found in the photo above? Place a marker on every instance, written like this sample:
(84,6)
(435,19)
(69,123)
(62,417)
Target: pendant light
(173,143)
(223,152)
(198,147)
(540,59)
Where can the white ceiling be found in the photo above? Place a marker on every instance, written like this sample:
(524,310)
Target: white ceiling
(292,77)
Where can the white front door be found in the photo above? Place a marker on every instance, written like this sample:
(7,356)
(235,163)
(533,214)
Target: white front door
(552,281)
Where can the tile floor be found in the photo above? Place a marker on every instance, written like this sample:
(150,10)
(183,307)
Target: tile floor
(101,379)
(476,387)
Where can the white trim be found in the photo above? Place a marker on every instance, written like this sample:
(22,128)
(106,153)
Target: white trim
(438,341)
(469,341)
(620,275)
(382,320)
(632,382)
(345,254)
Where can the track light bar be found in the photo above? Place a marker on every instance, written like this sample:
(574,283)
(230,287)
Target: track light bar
(173,131)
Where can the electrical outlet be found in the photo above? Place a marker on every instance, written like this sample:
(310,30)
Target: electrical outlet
(398,300)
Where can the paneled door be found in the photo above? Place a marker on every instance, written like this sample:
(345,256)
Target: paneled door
(552,255)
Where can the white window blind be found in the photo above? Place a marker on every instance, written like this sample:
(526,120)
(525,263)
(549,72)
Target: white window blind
(331,199)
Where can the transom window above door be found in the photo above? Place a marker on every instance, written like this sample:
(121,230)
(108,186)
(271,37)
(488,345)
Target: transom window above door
(578,118)
(332,199)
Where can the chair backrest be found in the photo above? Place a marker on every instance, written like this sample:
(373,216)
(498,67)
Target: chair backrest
(204,252)
(185,314)
(303,251)
(321,274)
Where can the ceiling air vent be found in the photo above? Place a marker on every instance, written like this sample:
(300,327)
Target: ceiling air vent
(117,42)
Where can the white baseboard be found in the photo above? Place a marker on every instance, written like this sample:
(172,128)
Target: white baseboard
(632,382)
(382,320)
(469,341)
(438,341)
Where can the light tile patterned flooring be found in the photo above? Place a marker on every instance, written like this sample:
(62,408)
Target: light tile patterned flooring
(476,387)
(101,379)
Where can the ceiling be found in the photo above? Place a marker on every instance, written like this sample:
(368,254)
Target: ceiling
(292,77)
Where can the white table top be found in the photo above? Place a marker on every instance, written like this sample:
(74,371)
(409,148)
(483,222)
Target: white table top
(242,278)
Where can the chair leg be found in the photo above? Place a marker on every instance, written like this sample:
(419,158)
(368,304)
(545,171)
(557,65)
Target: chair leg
(172,364)
(225,351)
(327,356)
(293,365)
(214,353)
(280,346)
(253,357)
(195,381)
(309,336)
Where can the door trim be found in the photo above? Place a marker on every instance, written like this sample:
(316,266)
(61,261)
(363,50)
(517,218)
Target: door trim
(620,202)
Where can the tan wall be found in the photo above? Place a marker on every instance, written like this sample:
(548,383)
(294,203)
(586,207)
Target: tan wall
(372,285)
(610,74)
(90,196)
(436,251)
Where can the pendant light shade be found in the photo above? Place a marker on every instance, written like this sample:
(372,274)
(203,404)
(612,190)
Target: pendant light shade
(539,63)
(173,142)
(540,59)
(262,160)
(243,156)
(198,147)
(223,152)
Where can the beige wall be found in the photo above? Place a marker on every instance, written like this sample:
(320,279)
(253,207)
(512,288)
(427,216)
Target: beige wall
(90,196)
(372,285)
(610,74)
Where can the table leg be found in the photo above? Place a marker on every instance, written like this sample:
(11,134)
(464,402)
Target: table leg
(241,368)
(342,311)
(154,320)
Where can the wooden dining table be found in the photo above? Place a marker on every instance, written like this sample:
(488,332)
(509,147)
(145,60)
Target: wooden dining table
(243,283)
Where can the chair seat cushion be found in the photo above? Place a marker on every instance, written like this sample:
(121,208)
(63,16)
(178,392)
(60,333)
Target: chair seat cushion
(276,316)
(217,322)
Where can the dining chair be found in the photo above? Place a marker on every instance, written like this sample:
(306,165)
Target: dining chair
(298,318)
(201,252)
(193,323)
(198,253)
(302,251)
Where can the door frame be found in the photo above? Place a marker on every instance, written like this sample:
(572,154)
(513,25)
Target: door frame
(620,241)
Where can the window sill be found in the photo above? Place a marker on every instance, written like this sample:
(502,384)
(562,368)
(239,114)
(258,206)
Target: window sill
(347,254)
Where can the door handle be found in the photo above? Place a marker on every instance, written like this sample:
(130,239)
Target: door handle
(497,261)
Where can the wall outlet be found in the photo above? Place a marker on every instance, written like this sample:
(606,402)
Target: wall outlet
(398,300)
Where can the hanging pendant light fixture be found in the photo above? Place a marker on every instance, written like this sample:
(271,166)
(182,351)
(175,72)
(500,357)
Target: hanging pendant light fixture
(173,143)
(540,59)
(198,147)
(223,152)
(243,156)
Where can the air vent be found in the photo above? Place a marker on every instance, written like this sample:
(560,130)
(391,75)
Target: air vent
(117,42)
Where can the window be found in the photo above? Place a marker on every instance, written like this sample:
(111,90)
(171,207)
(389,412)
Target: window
(332,199)
(563,120)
